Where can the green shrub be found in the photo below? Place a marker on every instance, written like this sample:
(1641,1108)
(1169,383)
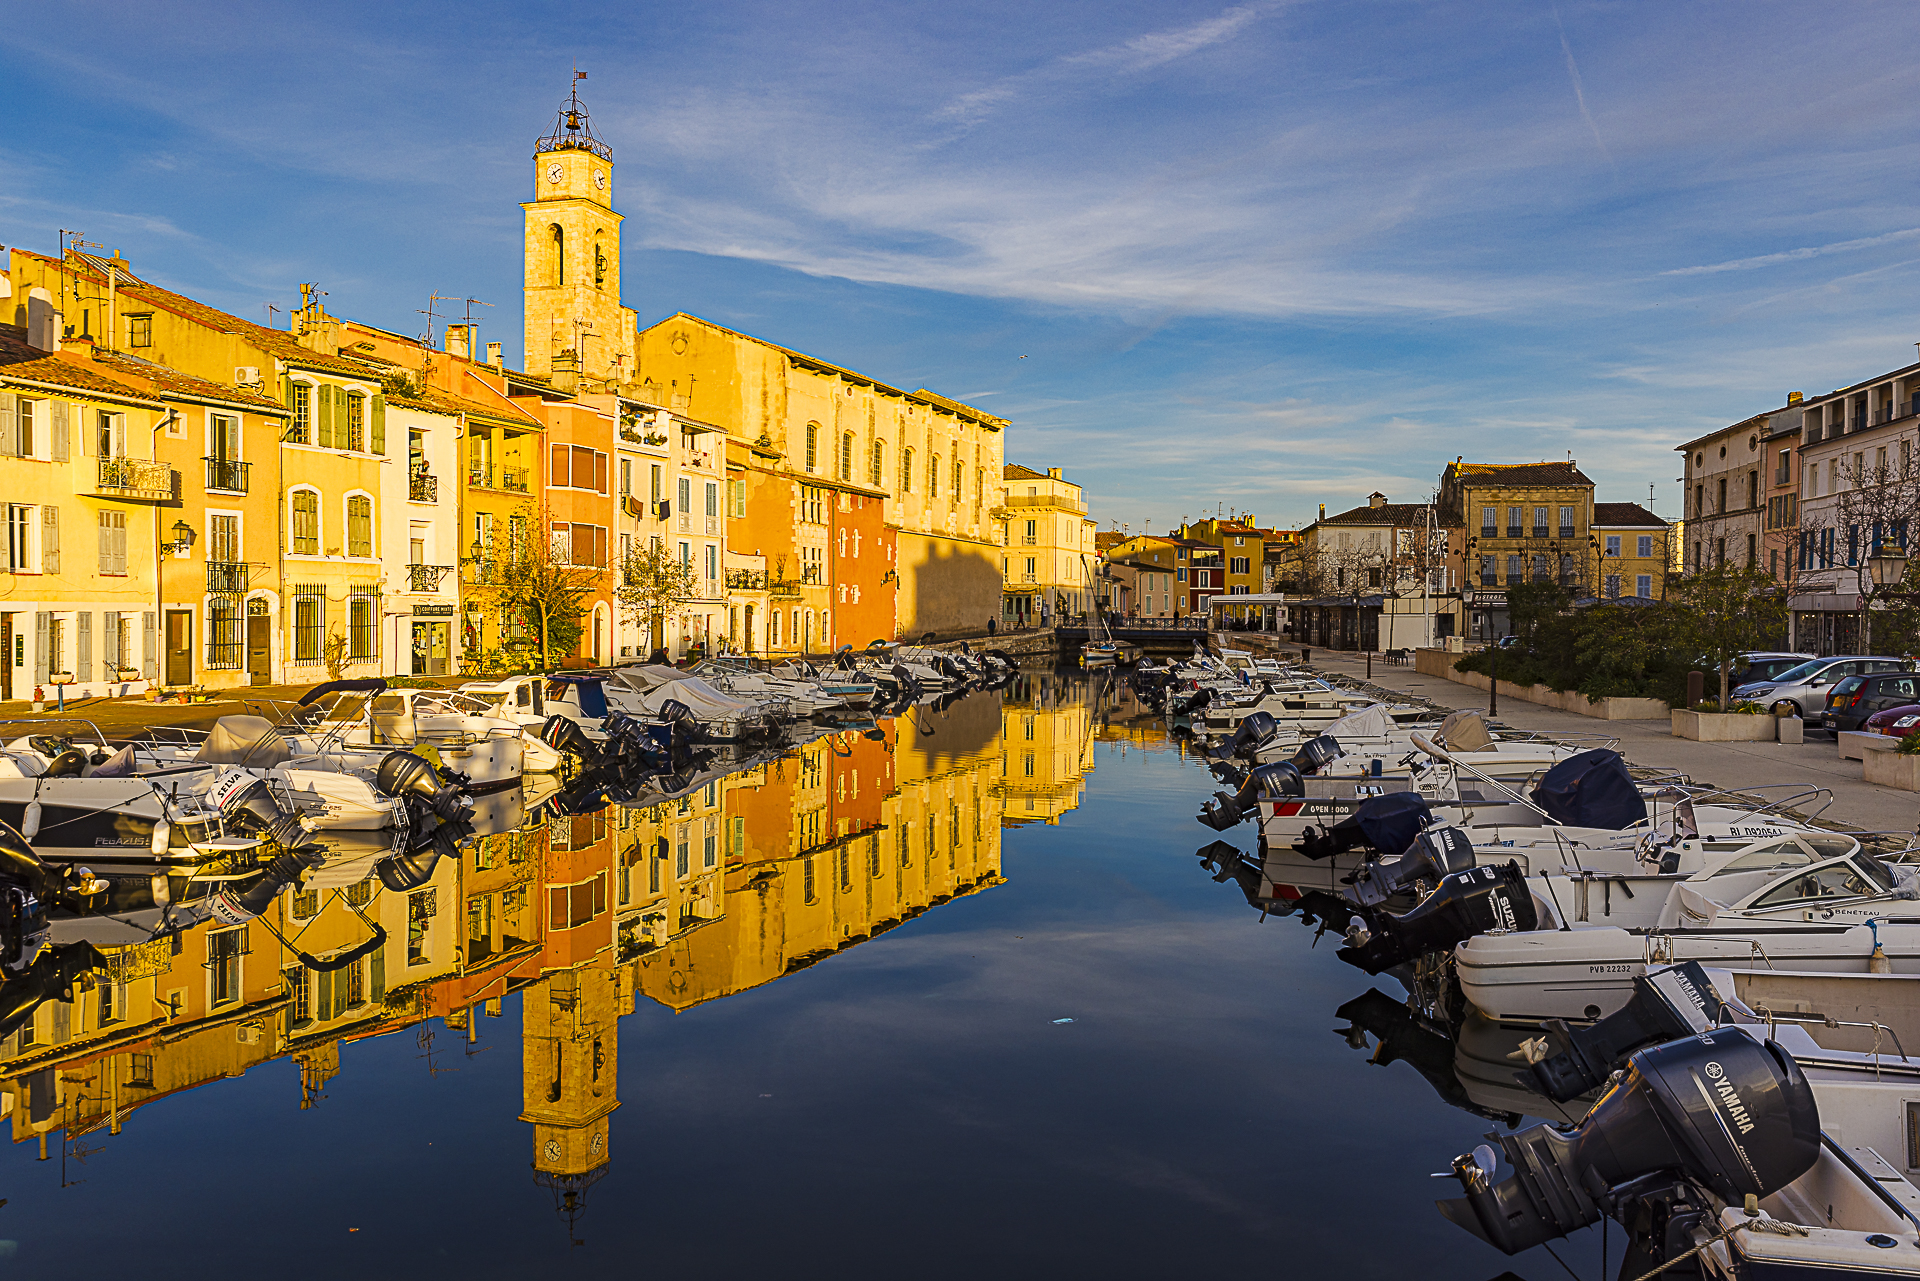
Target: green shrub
(1910,745)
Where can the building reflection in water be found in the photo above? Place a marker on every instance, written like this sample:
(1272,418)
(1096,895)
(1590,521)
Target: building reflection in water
(748,877)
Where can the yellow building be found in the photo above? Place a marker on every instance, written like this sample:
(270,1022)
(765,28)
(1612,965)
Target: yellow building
(1242,551)
(1634,551)
(1514,523)
(1046,749)
(1047,546)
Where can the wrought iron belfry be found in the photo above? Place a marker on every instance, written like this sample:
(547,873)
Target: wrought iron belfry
(573,129)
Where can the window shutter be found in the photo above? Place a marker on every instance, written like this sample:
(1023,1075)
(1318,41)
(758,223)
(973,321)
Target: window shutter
(327,424)
(600,472)
(49,539)
(9,424)
(149,646)
(42,661)
(106,543)
(83,645)
(377,426)
(377,974)
(59,431)
(600,546)
(120,545)
(559,478)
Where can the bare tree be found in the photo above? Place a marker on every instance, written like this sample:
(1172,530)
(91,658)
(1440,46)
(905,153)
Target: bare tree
(1876,506)
(653,584)
(538,581)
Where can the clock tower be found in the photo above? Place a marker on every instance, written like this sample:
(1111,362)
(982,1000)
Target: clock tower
(577,332)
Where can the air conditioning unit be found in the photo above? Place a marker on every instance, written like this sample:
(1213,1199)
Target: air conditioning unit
(247,1034)
(246,375)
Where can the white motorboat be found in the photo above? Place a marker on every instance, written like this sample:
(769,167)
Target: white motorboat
(647,692)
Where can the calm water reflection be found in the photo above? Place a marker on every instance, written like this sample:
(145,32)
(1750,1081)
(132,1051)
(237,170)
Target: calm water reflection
(808,1016)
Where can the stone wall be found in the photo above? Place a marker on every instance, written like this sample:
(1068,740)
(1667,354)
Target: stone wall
(1439,662)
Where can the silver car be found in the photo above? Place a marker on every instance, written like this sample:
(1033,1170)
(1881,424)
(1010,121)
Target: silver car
(1806,686)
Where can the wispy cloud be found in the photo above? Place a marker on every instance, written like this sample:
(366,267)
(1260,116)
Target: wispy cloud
(1796,255)
(1579,90)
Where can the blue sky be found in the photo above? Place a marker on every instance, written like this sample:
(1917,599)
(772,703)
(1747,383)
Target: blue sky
(1264,255)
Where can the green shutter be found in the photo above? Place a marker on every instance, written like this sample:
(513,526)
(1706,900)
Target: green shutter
(379,425)
(327,440)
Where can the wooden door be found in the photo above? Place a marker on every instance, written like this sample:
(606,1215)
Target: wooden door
(259,649)
(179,647)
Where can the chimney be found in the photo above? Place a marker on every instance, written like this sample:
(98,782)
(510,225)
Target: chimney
(1053,473)
(459,341)
(494,357)
(1323,511)
(1376,499)
(1794,397)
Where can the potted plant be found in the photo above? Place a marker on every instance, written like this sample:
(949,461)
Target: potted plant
(1705,722)
(1899,768)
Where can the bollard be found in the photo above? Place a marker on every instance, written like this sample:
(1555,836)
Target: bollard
(1697,689)
(1369,664)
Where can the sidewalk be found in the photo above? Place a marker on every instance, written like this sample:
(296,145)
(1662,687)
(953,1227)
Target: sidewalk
(1815,763)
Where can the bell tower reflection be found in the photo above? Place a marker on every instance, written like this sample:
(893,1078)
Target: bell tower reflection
(569,1067)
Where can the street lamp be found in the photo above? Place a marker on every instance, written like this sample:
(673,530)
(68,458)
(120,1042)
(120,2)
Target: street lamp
(1887,566)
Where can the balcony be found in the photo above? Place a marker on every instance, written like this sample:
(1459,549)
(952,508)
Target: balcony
(511,479)
(1513,531)
(1539,531)
(784,588)
(713,525)
(1857,422)
(746,580)
(1566,532)
(1042,500)
(1514,580)
(423,486)
(227,576)
(135,478)
(426,578)
(1489,580)
(229,474)
(1029,540)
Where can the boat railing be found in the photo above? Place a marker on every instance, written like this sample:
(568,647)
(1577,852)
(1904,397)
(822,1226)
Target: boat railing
(43,725)
(1795,793)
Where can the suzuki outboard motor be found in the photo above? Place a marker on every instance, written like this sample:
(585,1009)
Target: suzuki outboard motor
(1276,781)
(1464,904)
(563,734)
(1433,856)
(1592,789)
(231,906)
(1387,823)
(1667,1003)
(404,774)
(1720,1110)
(247,802)
(411,870)
(1255,732)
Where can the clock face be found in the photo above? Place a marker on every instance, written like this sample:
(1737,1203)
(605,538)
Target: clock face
(600,179)
(555,172)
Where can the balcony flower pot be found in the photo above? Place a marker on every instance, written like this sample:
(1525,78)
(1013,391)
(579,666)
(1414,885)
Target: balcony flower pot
(60,678)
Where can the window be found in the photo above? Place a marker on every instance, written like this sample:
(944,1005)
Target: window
(223,961)
(577,467)
(306,522)
(626,476)
(933,478)
(300,430)
(846,456)
(1514,515)
(1489,521)
(879,464)
(1514,564)
(653,482)
(113,543)
(1539,522)
(140,330)
(223,538)
(309,622)
(360,526)
(1238,565)
(363,624)
(421,908)
(959,476)
(356,422)
(906,471)
(713,500)
(1613,544)
(558,239)
(20,539)
(1613,586)
(713,561)
(813,444)
(1643,585)
(685,505)
(1566,522)
(737,496)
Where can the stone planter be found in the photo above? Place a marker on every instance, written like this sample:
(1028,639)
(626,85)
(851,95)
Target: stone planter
(1723,727)
(1892,769)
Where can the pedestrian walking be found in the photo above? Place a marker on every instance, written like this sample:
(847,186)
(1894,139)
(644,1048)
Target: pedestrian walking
(990,625)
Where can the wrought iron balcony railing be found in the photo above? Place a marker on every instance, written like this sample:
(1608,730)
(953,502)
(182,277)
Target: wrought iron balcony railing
(423,486)
(135,478)
(227,575)
(426,578)
(229,474)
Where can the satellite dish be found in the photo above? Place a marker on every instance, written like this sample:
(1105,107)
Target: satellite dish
(1483,1156)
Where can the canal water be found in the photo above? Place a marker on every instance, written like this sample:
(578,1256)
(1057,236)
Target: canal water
(951,999)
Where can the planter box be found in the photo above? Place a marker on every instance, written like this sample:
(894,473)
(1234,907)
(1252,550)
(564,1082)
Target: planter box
(1891,769)
(1858,745)
(1439,662)
(1723,727)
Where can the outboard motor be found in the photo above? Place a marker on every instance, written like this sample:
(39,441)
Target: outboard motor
(404,774)
(1278,780)
(231,906)
(563,734)
(23,927)
(1406,1038)
(1667,1004)
(1464,904)
(1387,823)
(908,686)
(74,888)
(411,870)
(1317,753)
(1433,856)
(686,726)
(247,802)
(1592,789)
(1254,733)
(52,974)
(1719,1110)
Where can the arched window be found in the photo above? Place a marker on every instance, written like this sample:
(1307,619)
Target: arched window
(813,444)
(559,254)
(879,464)
(306,522)
(359,525)
(906,471)
(599,265)
(933,478)
(846,456)
(959,479)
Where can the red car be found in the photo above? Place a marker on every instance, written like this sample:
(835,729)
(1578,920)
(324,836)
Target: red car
(1895,722)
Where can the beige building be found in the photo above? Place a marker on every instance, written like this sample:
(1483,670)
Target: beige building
(1047,546)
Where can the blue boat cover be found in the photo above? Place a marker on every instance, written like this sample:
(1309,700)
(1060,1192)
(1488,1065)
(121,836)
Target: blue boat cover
(592,690)
(1592,789)
(1391,822)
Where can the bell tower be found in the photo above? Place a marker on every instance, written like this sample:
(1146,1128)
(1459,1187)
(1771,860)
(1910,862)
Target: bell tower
(577,333)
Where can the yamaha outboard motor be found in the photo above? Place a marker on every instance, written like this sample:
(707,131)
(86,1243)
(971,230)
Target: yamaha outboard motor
(1278,781)
(1406,1038)
(563,734)
(236,906)
(686,726)
(1387,823)
(1592,789)
(1317,753)
(1255,732)
(404,774)
(1433,856)
(1720,1110)
(1464,904)
(1667,1003)
(247,802)
(411,870)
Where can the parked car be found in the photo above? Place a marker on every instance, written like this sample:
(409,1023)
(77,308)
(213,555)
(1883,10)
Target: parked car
(1894,722)
(1803,690)
(1855,698)
(1752,669)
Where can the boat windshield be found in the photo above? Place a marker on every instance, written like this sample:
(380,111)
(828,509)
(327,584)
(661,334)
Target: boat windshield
(1879,873)
(1834,881)
(1773,856)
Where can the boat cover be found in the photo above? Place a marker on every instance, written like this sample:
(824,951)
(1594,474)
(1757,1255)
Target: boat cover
(1371,721)
(1592,789)
(592,691)
(705,702)
(652,676)
(1465,732)
(1390,822)
(244,740)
